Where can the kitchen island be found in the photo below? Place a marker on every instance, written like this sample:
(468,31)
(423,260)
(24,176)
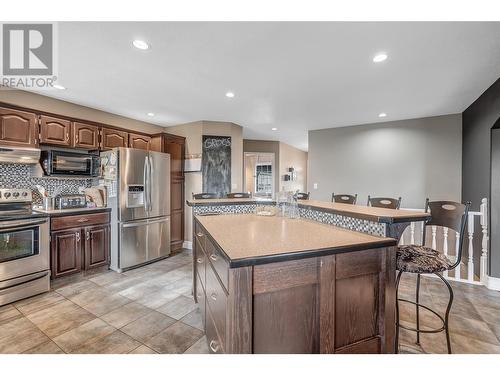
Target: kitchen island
(280,285)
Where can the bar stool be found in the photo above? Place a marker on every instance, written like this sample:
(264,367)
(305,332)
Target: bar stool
(419,259)
(238,195)
(302,196)
(205,196)
(344,198)
(384,202)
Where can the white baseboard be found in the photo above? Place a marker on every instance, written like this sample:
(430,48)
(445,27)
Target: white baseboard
(187,245)
(493,283)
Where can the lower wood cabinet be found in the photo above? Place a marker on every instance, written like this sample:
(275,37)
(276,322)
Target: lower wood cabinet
(82,247)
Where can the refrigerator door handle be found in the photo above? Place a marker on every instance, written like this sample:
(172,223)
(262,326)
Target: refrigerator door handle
(151,171)
(145,182)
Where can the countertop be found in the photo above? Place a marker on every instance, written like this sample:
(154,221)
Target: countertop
(73,211)
(381,215)
(251,239)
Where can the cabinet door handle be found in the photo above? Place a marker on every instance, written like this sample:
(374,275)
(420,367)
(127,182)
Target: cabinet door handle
(77,236)
(84,220)
(67,136)
(88,236)
(214,346)
(199,234)
(213,257)
(199,260)
(213,296)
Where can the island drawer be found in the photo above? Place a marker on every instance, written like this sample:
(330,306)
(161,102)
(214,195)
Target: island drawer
(201,261)
(65,222)
(216,301)
(220,264)
(199,234)
(214,342)
(201,298)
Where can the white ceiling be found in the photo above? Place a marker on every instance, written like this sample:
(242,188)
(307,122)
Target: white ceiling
(293,76)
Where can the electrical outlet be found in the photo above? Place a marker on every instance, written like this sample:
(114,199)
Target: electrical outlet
(315,186)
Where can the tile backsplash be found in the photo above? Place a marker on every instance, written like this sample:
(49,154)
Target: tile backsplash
(20,176)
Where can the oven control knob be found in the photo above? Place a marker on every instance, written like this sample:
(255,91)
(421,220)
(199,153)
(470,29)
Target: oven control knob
(6,195)
(15,195)
(25,194)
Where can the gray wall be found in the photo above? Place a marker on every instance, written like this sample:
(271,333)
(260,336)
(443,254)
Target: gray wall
(478,120)
(413,159)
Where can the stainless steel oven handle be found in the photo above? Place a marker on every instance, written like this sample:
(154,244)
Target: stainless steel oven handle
(21,223)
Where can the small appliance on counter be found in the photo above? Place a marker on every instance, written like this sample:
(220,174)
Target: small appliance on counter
(24,247)
(64,201)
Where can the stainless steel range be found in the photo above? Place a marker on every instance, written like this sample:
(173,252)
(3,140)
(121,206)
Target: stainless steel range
(24,247)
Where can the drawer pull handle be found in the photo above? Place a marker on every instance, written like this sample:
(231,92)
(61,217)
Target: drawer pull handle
(214,346)
(213,257)
(199,260)
(199,234)
(83,220)
(213,296)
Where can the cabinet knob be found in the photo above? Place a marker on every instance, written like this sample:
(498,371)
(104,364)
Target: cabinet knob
(213,257)
(213,296)
(199,260)
(199,234)
(214,346)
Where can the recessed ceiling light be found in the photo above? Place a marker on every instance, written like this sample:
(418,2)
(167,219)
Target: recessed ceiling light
(382,114)
(151,114)
(141,44)
(380,57)
(230,94)
(59,87)
(274,129)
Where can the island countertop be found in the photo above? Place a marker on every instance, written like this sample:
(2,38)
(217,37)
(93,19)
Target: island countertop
(251,239)
(380,215)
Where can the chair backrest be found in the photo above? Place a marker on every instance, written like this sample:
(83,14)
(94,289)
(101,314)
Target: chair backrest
(205,196)
(302,196)
(238,195)
(449,214)
(384,202)
(344,198)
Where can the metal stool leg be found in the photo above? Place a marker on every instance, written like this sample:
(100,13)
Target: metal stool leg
(417,308)
(396,343)
(446,317)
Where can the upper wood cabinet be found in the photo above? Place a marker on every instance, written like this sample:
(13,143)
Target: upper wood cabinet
(139,141)
(113,138)
(85,136)
(18,128)
(55,131)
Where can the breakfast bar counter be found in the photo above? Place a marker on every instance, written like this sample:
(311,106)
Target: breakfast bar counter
(280,285)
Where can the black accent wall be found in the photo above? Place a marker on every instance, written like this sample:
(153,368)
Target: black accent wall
(477,121)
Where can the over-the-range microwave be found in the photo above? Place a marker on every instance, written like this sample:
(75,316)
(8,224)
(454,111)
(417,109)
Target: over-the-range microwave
(62,163)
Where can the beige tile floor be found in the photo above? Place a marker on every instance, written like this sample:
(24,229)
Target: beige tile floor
(474,317)
(150,310)
(145,311)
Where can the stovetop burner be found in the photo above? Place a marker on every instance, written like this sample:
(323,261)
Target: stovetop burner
(15,204)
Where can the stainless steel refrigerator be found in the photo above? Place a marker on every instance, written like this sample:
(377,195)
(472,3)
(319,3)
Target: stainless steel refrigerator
(139,194)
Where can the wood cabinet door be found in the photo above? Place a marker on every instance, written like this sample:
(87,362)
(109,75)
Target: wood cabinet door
(66,252)
(142,142)
(175,146)
(18,128)
(55,131)
(176,213)
(96,246)
(85,136)
(113,138)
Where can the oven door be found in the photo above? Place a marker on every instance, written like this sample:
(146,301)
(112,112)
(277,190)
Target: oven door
(71,164)
(24,247)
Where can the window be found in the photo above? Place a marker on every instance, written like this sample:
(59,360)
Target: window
(263,178)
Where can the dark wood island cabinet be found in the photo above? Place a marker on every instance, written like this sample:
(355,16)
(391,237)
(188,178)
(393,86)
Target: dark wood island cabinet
(279,285)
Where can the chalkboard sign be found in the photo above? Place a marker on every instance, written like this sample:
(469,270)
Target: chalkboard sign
(216,165)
